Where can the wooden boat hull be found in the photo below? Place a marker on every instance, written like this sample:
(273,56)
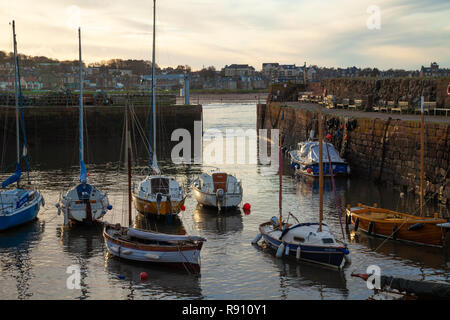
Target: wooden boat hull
(398,226)
(186,255)
(151,208)
(324,255)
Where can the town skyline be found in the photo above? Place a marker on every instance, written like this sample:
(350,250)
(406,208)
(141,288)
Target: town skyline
(205,33)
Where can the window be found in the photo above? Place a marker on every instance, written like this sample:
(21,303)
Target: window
(327,240)
(299,239)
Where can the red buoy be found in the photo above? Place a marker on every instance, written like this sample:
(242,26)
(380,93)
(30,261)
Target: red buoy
(247,206)
(143,276)
(329,136)
(346,137)
(89,174)
(309,170)
(182,207)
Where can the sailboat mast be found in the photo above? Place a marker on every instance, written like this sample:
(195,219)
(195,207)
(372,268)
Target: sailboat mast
(128,160)
(320,171)
(81,96)
(422,140)
(16,92)
(153,83)
(280,169)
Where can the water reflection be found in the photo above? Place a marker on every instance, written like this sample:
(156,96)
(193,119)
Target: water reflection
(82,242)
(160,283)
(16,247)
(169,224)
(209,220)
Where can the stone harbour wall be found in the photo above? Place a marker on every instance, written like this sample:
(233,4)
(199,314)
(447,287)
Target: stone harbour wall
(386,151)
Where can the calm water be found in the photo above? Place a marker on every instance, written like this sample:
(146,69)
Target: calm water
(34,258)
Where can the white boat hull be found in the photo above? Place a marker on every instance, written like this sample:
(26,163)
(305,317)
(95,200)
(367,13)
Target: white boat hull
(229,200)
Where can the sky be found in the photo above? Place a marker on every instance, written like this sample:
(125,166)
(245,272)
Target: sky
(329,33)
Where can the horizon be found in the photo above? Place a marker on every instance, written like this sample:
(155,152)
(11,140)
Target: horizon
(407,34)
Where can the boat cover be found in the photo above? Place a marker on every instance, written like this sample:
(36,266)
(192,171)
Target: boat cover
(309,153)
(419,288)
(13,178)
(151,235)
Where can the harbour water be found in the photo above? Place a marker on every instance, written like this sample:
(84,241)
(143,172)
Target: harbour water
(34,258)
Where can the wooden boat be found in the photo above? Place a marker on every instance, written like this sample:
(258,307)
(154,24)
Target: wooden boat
(147,245)
(398,226)
(84,202)
(422,230)
(157,194)
(305,160)
(218,189)
(312,241)
(20,205)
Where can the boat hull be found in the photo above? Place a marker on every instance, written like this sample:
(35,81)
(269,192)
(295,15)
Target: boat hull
(382,223)
(151,207)
(186,256)
(23,215)
(230,200)
(327,256)
(339,169)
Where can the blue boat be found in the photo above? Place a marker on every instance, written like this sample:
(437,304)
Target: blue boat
(305,160)
(18,206)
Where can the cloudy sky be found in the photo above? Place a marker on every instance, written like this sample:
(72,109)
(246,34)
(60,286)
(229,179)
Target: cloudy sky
(333,33)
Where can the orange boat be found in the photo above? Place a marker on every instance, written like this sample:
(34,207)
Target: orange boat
(398,226)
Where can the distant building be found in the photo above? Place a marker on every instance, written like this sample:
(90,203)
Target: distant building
(431,71)
(237,70)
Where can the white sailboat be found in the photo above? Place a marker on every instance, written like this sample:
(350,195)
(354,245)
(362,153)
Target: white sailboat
(20,205)
(149,246)
(310,241)
(84,202)
(157,194)
(218,189)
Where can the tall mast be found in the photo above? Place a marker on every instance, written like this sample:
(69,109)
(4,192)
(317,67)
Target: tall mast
(81,96)
(280,169)
(153,84)
(128,161)
(320,171)
(16,92)
(422,139)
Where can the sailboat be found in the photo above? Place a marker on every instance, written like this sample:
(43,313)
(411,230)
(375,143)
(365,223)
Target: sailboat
(20,205)
(431,231)
(149,246)
(309,241)
(157,194)
(84,202)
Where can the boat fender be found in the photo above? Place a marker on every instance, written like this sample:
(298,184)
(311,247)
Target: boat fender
(59,208)
(109,207)
(348,259)
(151,256)
(280,250)
(42,201)
(257,238)
(356,224)
(371,227)
(126,252)
(348,219)
(297,254)
(416,227)
(286,251)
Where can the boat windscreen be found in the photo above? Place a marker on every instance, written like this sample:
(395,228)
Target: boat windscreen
(160,185)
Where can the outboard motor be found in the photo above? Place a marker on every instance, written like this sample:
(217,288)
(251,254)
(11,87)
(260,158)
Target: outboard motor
(219,197)
(158,201)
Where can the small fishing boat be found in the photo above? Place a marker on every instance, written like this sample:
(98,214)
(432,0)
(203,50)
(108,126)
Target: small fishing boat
(305,160)
(218,189)
(157,194)
(431,231)
(398,226)
(311,241)
(84,202)
(20,205)
(147,245)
